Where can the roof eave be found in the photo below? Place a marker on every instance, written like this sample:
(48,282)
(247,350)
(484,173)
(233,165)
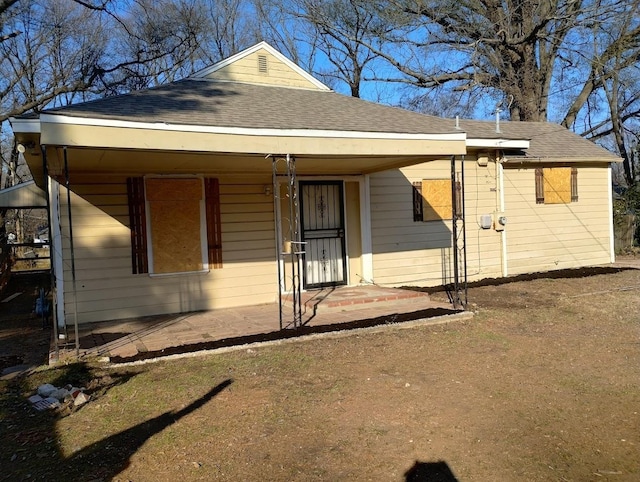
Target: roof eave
(247,131)
(25,126)
(58,130)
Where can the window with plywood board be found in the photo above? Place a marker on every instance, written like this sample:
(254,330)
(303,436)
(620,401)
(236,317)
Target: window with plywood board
(556,185)
(183,221)
(432,200)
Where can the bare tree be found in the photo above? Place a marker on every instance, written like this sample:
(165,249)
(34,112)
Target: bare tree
(611,112)
(162,41)
(333,36)
(572,61)
(55,57)
(232,26)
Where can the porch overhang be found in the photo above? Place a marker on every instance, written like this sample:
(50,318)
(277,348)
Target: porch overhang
(101,133)
(106,145)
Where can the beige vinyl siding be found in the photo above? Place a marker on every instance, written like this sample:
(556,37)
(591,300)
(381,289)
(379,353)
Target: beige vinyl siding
(544,237)
(246,70)
(420,253)
(353,232)
(106,287)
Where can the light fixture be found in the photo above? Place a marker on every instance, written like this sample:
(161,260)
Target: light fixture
(22,148)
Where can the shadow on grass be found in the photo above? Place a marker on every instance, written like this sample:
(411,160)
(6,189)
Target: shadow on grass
(430,472)
(110,456)
(31,449)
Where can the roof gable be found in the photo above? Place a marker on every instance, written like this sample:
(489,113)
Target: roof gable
(261,64)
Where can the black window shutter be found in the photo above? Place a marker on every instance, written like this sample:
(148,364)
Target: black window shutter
(214,222)
(417,201)
(539,186)
(137,225)
(574,184)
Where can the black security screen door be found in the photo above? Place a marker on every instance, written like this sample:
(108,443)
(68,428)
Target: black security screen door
(322,216)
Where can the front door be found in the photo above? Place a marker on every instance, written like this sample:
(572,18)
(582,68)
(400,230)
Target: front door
(322,217)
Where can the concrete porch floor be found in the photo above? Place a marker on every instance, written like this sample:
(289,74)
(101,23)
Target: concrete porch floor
(330,309)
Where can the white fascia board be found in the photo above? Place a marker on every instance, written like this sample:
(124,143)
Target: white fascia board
(262,45)
(558,160)
(247,131)
(499,143)
(25,126)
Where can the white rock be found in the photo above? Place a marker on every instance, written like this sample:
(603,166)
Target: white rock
(81,399)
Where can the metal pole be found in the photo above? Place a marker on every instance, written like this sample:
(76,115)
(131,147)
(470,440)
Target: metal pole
(295,244)
(52,273)
(73,260)
(464,236)
(454,228)
(278,224)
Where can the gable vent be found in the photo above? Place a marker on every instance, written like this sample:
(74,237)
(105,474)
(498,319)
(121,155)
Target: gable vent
(262,64)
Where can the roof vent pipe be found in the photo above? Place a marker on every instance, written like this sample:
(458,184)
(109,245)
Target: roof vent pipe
(498,110)
(458,122)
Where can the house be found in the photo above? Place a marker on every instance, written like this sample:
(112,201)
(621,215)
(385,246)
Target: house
(251,179)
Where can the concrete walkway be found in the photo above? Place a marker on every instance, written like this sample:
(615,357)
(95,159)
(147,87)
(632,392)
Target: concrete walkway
(326,310)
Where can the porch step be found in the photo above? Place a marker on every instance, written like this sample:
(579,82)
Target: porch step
(329,300)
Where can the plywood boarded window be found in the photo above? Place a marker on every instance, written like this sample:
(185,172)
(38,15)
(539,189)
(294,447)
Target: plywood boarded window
(137,225)
(436,199)
(174,209)
(556,185)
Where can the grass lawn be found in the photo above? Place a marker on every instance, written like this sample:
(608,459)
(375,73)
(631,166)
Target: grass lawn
(542,384)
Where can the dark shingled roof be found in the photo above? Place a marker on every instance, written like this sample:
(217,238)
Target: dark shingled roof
(226,104)
(546,139)
(229,104)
